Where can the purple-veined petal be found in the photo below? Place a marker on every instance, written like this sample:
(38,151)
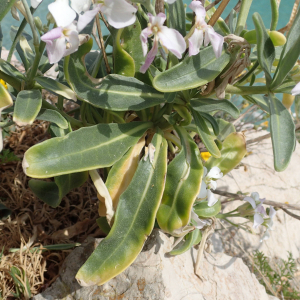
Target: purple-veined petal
(203,191)
(81,5)
(255,196)
(195,42)
(261,210)
(198,8)
(199,223)
(62,13)
(144,39)
(119,13)
(251,201)
(216,40)
(87,17)
(35,3)
(51,35)
(215,173)
(172,40)
(157,20)
(258,220)
(212,200)
(73,43)
(150,56)
(296,90)
(56,49)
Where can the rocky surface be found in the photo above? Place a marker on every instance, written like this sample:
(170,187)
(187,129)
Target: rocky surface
(156,276)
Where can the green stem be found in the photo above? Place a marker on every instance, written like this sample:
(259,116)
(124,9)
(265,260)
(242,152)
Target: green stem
(275,14)
(174,139)
(60,102)
(242,18)
(251,71)
(75,123)
(141,11)
(6,124)
(150,7)
(246,90)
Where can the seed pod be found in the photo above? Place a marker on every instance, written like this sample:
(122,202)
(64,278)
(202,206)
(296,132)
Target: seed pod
(233,151)
(288,100)
(277,37)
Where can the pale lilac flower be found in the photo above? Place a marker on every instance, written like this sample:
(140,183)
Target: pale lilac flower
(296,90)
(208,183)
(168,38)
(203,32)
(272,214)
(259,211)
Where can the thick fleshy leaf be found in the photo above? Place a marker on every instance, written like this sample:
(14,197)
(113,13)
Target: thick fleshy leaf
(85,149)
(11,75)
(56,87)
(289,54)
(27,107)
(177,16)
(211,122)
(204,211)
(53,117)
(182,186)
(134,220)
(225,129)
(113,92)
(26,54)
(259,100)
(233,151)
(265,47)
(205,135)
(5,6)
(210,105)
(192,72)
(282,133)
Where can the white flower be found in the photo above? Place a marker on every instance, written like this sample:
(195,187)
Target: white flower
(209,183)
(35,3)
(203,32)
(296,90)
(272,214)
(259,211)
(199,223)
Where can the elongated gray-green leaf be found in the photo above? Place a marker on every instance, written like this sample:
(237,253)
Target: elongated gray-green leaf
(5,6)
(177,16)
(82,150)
(113,92)
(259,100)
(134,220)
(289,54)
(265,47)
(192,71)
(53,117)
(282,133)
(27,107)
(209,105)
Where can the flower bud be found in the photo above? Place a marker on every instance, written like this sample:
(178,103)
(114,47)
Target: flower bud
(277,38)
(50,18)
(38,23)
(246,210)
(288,100)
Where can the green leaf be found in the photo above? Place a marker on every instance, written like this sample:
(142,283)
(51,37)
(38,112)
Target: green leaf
(113,92)
(52,116)
(4,211)
(82,150)
(258,100)
(134,220)
(53,192)
(289,54)
(5,6)
(225,129)
(210,105)
(182,186)
(243,14)
(27,107)
(212,121)
(192,72)
(204,211)
(26,54)
(10,74)
(204,133)
(177,16)
(56,87)
(282,133)
(265,47)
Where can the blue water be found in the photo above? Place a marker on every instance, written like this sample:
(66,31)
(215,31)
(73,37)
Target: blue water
(260,6)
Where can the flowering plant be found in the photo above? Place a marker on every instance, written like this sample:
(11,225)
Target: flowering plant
(139,110)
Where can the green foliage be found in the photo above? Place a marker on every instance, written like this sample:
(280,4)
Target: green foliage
(7,156)
(279,276)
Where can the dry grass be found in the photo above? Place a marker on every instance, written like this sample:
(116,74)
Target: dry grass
(35,223)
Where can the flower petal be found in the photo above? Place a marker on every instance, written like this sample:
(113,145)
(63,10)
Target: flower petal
(200,223)
(119,13)
(198,8)
(251,201)
(272,212)
(216,40)
(212,200)
(51,35)
(260,209)
(172,40)
(35,3)
(203,191)
(195,42)
(87,17)
(81,5)
(150,57)
(296,90)
(215,173)
(213,184)
(255,196)
(144,39)
(56,49)
(62,13)
(73,40)
(258,220)
(157,20)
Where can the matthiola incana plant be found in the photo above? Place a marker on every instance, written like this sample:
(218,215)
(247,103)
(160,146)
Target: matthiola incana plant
(149,94)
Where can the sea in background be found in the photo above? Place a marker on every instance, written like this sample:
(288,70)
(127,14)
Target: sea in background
(260,6)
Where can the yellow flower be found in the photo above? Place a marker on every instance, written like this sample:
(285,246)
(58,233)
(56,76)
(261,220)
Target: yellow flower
(205,155)
(265,124)
(3,83)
